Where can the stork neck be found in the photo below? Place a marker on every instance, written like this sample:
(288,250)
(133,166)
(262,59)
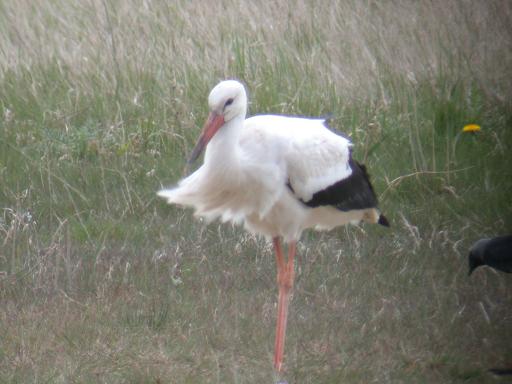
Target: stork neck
(223,147)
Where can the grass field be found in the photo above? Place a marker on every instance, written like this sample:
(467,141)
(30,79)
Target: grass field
(101,282)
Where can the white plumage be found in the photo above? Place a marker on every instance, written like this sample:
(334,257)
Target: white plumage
(277,175)
(250,165)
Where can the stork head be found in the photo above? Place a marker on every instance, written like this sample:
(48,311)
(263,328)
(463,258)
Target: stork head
(227,100)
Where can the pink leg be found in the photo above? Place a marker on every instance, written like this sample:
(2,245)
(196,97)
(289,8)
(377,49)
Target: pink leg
(285,277)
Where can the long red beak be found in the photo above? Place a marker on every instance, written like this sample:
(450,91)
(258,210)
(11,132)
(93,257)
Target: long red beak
(212,125)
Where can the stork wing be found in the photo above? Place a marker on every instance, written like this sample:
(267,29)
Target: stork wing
(316,159)
(318,162)
(314,156)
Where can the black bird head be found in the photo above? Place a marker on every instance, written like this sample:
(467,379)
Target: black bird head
(474,262)
(476,255)
(495,253)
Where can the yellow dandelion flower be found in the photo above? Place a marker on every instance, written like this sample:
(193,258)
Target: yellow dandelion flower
(471,128)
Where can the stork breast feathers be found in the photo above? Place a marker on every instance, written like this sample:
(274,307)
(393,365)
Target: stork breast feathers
(228,194)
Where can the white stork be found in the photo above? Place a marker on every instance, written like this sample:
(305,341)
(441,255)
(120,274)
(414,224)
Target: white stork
(277,175)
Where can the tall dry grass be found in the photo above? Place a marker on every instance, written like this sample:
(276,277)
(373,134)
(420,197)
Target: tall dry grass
(352,46)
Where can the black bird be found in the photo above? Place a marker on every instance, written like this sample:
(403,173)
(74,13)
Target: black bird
(495,252)
(501,371)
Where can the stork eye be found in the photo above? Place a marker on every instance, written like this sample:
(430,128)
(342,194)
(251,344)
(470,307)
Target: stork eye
(228,102)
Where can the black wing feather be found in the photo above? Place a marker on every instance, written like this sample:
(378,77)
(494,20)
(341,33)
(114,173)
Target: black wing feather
(354,192)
